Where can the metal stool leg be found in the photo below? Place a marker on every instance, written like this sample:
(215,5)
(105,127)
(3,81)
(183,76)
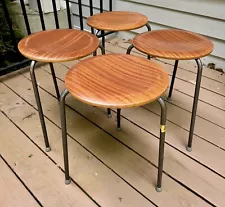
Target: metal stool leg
(64,135)
(195,104)
(38,101)
(55,81)
(129,49)
(148,27)
(161,144)
(173,79)
(103,53)
(109,114)
(102,49)
(118,119)
(103,38)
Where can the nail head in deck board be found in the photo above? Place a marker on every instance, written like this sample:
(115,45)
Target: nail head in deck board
(117,81)
(83,171)
(214,194)
(12,191)
(108,21)
(58,45)
(37,173)
(142,178)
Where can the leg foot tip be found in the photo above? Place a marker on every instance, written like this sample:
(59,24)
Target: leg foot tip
(189,149)
(67,182)
(48,149)
(158,189)
(118,129)
(109,115)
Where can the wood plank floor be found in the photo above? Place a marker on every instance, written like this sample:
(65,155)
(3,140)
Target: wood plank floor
(110,168)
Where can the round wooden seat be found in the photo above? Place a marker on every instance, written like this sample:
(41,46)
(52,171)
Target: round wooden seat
(173,44)
(117,21)
(117,81)
(58,45)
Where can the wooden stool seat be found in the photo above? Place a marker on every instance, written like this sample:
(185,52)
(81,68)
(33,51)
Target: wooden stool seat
(116,81)
(58,45)
(117,21)
(173,44)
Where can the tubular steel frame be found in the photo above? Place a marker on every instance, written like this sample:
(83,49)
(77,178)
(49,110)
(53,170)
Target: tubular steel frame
(196,95)
(38,100)
(161,139)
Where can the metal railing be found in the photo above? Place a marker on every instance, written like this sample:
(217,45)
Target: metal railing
(22,63)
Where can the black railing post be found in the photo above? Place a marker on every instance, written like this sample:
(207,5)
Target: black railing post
(101,6)
(80,15)
(25,16)
(91,13)
(41,14)
(68,14)
(55,14)
(110,5)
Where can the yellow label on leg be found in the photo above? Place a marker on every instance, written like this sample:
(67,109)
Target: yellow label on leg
(163,128)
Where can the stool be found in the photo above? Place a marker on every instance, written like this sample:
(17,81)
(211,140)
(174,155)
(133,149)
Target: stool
(176,45)
(115,21)
(55,46)
(116,81)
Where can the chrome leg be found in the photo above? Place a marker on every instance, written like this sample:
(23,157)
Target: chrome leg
(118,119)
(55,81)
(161,144)
(39,106)
(102,49)
(195,104)
(64,136)
(173,79)
(129,49)
(148,27)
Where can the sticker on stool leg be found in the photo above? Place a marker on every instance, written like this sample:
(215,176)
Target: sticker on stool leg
(163,128)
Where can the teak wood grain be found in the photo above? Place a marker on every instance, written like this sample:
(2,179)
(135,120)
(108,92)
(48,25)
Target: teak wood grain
(58,45)
(116,80)
(173,44)
(117,21)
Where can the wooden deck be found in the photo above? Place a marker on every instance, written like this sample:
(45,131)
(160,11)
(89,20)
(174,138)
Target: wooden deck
(111,168)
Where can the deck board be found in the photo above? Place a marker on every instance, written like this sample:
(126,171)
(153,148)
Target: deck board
(142,177)
(126,161)
(214,133)
(86,170)
(35,169)
(210,177)
(141,117)
(13,193)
